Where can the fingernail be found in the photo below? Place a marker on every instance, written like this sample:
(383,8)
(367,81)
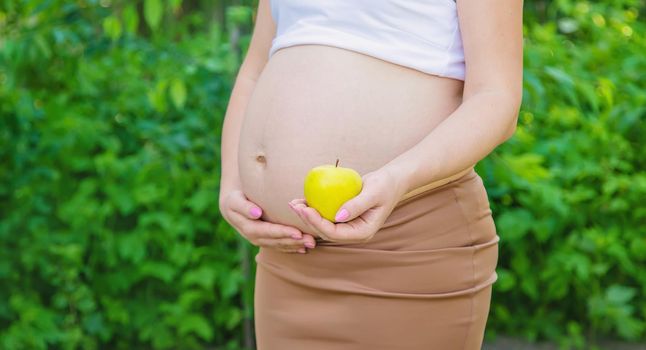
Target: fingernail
(255,212)
(342,215)
(297,236)
(309,244)
(302,250)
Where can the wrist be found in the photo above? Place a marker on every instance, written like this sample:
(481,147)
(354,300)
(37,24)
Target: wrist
(401,176)
(230,182)
(227,186)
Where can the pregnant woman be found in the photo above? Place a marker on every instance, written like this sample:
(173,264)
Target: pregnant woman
(409,93)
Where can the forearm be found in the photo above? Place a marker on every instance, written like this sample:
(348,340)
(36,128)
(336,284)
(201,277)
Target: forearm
(233,119)
(469,134)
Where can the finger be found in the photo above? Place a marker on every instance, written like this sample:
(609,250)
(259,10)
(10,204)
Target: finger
(313,219)
(264,229)
(309,241)
(242,205)
(298,211)
(359,230)
(356,206)
(300,216)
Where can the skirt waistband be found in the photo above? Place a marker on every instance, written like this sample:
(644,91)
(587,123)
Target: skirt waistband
(437,185)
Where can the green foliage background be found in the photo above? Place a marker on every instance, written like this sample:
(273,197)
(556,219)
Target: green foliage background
(110,235)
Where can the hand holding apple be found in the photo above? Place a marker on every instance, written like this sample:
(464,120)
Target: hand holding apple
(360,215)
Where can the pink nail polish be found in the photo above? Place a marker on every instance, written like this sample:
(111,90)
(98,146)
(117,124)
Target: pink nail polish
(309,244)
(342,215)
(255,212)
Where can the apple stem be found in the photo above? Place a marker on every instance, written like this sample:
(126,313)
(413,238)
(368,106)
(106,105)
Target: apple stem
(337,163)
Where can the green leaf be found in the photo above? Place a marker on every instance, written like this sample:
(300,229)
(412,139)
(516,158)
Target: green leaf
(630,328)
(506,280)
(231,282)
(157,96)
(194,298)
(130,19)
(178,93)
(528,166)
(201,200)
(153,10)
(618,294)
(238,15)
(235,316)
(148,193)
(43,46)
(638,248)
(203,276)
(112,27)
(131,247)
(514,224)
(157,269)
(197,324)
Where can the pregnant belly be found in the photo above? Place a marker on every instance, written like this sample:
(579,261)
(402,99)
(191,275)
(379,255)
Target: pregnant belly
(314,104)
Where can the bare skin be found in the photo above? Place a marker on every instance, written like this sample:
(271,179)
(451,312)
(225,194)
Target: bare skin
(311,104)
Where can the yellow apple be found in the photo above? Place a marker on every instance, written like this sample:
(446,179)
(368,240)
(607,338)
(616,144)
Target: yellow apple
(328,186)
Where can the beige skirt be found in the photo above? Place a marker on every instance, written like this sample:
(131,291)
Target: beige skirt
(422,282)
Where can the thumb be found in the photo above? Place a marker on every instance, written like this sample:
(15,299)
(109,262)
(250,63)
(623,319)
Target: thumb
(248,208)
(253,211)
(354,207)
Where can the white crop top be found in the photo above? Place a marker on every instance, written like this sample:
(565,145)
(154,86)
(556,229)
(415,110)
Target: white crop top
(420,34)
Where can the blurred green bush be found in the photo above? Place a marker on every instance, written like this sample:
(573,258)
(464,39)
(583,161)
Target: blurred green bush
(110,236)
(568,190)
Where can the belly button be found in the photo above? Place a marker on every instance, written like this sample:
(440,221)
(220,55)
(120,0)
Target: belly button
(261,159)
